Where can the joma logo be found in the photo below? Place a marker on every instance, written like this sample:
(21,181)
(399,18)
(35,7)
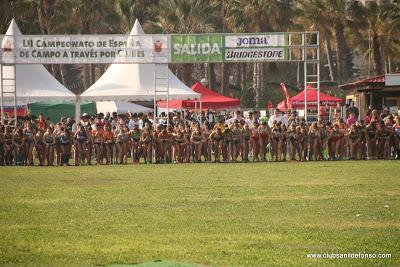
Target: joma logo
(252,41)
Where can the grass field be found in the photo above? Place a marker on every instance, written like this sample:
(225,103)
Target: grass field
(211,214)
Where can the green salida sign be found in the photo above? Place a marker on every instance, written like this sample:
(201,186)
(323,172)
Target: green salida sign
(197,48)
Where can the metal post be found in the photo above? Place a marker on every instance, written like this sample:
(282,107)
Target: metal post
(15,95)
(162,81)
(369,50)
(201,106)
(305,74)
(167,96)
(195,107)
(290,43)
(155,93)
(77,109)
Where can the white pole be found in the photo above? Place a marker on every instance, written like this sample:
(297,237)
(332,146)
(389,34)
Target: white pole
(77,109)
(166,66)
(369,50)
(305,75)
(305,90)
(155,93)
(15,95)
(201,106)
(195,107)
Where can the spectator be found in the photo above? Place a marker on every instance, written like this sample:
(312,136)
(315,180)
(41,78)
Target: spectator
(278,118)
(353,109)
(41,124)
(373,117)
(237,117)
(351,120)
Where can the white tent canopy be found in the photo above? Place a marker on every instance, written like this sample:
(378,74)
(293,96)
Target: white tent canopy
(120,107)
(33,81)
(134,82)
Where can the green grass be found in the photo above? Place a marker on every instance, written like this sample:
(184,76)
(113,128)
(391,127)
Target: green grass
(210,214)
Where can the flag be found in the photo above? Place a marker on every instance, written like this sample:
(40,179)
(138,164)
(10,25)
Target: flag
(283,87)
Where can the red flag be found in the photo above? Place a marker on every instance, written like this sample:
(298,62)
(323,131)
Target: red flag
(283,87)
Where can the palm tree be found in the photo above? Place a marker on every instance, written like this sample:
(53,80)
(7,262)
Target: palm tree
(186,16)
(376,25)
(5,14)
(331,15)
(91,17)
(33,16)
(130,10)
(311,17)
(258,16)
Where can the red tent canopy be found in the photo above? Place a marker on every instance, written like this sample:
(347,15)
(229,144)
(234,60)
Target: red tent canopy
(297,101)
(210,100)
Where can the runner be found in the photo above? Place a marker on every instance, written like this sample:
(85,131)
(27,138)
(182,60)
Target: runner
(236,141)
(29,142)
(40,147)
(49,142)
(97,136)
(397,137)
(18,141)
(206,143)
(135,136)
(245,141)
(108,143)
(264,132)
(65,145)
(315,142)
(371,140)
(217,138)
(292,137)
(354,137)
(80,144)
(147,144)
(255,140)
(196,141)
(2,151)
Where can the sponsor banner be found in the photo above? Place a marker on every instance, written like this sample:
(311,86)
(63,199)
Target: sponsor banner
(175,48)
(78,49)
(256,40)
(196,48)
(255,54)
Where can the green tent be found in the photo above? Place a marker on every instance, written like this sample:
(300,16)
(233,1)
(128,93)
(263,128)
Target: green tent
(57,109)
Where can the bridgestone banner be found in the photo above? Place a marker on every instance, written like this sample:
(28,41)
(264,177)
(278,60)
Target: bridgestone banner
(255,54)
(255,47)
(174,48)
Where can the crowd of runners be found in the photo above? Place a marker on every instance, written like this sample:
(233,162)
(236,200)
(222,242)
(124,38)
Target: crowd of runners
(183,137)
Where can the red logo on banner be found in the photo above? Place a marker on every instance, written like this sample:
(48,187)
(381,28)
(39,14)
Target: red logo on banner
(157,46)
(7,47)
